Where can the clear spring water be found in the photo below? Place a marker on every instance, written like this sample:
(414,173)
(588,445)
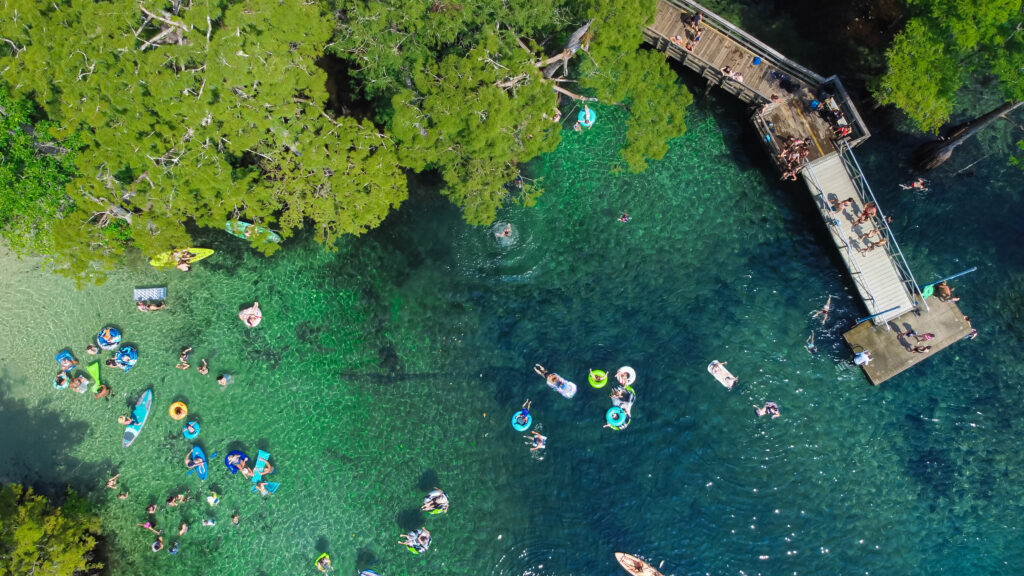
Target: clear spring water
(395,364)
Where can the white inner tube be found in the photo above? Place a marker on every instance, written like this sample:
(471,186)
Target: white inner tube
(630,375)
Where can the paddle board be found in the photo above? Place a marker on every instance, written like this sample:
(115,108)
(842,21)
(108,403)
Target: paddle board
(238,228)
(94,371)
(722,374)
(165,260)
(141,412)
(635,566)
(202,470)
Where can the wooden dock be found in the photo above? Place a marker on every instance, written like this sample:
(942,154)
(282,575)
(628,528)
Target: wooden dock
(892,350)
(791,102)
(874,270)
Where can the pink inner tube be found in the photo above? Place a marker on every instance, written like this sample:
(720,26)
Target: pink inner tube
(251,316)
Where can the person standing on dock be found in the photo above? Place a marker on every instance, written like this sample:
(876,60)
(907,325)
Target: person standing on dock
(862,358)
(869,211)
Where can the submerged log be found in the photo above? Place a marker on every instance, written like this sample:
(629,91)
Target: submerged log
(931,155)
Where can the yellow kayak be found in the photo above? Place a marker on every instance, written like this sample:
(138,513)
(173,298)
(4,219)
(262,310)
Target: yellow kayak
(170,259)
(635,566)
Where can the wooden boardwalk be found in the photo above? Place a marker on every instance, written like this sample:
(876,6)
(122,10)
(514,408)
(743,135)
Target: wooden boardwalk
(791,102)
(874,271)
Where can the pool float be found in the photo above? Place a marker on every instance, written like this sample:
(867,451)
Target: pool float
(139,415)
(241,458)
(586,117)
(262,462)
(617,418)
(66,361)
(412,542)
(522,426)
(368,573)
(270,487)
(191,430)
(150,294)
(178,410)
(247,231)
(251,316)
(109,338)
(170,259)
(626,375)
(80,384)
(722,374)
(437,496)
(323,561)
(628,396)
(202,470)
(126,357)
(61,381)
(561,385)
(98,390)
(597,378)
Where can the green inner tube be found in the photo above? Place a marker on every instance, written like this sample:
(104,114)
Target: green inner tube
(600,374)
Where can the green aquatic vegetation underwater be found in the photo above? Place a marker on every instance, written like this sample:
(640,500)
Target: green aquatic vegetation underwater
(37,537)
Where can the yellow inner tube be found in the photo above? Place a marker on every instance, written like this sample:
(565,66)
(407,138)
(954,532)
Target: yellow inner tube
(178,410)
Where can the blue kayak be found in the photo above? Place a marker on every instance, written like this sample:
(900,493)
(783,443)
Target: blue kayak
(139,415)
(202,470)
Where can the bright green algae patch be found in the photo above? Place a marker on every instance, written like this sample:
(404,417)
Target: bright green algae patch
(369,380)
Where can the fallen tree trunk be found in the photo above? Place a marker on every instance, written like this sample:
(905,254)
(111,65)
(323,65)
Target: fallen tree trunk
(931,155)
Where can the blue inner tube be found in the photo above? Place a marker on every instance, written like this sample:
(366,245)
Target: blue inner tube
(521,426)
(586,120)
(115,338)
(232,467)
(195,430)
(615,416)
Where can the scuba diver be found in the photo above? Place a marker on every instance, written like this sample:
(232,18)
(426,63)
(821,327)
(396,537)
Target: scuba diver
(436,502)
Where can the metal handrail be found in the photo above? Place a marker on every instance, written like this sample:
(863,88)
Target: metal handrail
(860,184)
(829,216)
(746,40)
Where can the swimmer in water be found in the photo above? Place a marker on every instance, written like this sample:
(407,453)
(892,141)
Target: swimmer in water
(770,408)
(810,344)
(919,184)
(625,217)
(824,311)
(506,232)
(538,442)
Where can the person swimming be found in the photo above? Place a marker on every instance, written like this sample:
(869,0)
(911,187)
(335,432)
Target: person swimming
(811,347)
(538,442)
(770,408)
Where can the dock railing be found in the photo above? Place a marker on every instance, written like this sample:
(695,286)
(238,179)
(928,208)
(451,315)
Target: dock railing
(830,220)
(765,51)
(860,184)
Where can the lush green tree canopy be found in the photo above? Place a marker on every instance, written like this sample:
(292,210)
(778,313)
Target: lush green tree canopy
(34,168)
(173,115)
(946,45)
(40,539)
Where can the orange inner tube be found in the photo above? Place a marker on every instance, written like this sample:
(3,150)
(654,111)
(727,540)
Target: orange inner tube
(178,410)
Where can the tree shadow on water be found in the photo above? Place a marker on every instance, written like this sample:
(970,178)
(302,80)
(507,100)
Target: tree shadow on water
(37,447)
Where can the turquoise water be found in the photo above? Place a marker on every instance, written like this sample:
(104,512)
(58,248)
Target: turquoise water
(394,365)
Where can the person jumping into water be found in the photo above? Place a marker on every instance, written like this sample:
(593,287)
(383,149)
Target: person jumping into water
(824,311)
